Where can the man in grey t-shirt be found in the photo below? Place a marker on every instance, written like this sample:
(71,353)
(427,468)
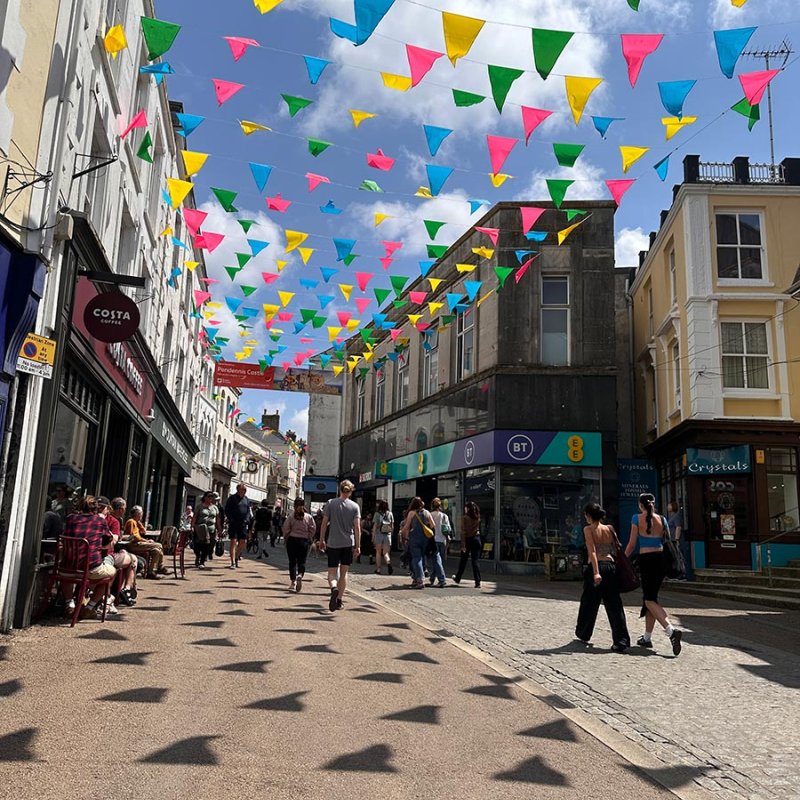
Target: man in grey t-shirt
(342,517)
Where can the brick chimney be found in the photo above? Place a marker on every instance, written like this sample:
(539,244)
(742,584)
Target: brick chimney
(271,421)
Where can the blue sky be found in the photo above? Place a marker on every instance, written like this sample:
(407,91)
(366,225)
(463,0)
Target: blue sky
(300,27)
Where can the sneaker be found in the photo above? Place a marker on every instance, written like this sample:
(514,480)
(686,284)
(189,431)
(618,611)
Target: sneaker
(455,580)
(333,603)
(676,642)
(442,585)
(389,569)
(418,585)
(339,603)
(70,606)
(478,585)
(201,566)
(237,562)
(232,566)
(293,586)
(642,642)
(299,583)
(110,608)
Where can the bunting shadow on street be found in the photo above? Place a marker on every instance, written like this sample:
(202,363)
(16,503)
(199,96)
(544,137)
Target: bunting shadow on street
(10,688)
(671,777)
(105,634)
(144,694)
(131,659)
(245,666)
(317,648)
(382,677)
(420,658)
(373,759)
(195,750)
(211,623)
(236,612)
(559,730)
(288,702)
(533,770)
(424,715)
(18,746)
(385,637)
(216,643)
(295,630)
(399,625)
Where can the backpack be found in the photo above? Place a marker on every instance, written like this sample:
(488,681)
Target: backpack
(447,529)
(387,523)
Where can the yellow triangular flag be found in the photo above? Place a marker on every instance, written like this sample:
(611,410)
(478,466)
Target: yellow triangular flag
(434,307)
(414,318)
(346,290)
(211,304)
(738,3)
(280,265)
(167,231)
(401,83)
(673,125)
(286,298)
(465,267)
(270,310)
(266,5)
(115,40)
(305,253)
(332,334)
(368,356)
(499,179)
(630,155)
(485,297)
(360,116)
(249,127)
(562,235)
(177,190)
(578,92)
(423,191)
(191,265)
(352,324)
(337,369)
(380,218)
(483,252)
(459,34)
(294,239)
(435,283)
(239,356)
(193,162)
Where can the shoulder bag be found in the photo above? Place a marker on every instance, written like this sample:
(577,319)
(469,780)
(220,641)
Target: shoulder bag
(425,529)
(626,575)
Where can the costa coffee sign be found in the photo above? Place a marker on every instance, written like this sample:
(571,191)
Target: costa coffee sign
(111,317)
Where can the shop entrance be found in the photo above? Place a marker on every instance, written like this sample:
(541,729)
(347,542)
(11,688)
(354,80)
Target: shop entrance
(727,518)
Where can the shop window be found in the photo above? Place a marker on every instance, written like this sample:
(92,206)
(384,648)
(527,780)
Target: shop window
(430,346)
(555,320)
(361,393)
(745,355)
(782,489)
(739,248)
(380,393)
(401,382)
(465,342)
(72,450)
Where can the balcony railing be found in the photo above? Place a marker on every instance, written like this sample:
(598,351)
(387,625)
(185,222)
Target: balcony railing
(741,171)
(716,172)
(767,173)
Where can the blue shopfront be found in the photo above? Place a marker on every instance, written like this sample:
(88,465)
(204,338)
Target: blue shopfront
(531,487)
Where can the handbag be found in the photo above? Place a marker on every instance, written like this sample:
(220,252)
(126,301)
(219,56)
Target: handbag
(219,548)
(626,575)
(425,529)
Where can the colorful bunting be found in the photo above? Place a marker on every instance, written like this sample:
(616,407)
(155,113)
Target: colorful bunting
(435,136)
(295,104)
(360,116)
(433,227)
(400,83)
(315,67)
(602,124)
(261,173)
(662,168)
(158,36)
(249,128)
(567,154)
(239,45)
(177,190)
(674,94)
(532,118)
(193,162)
(501,79)
(144,148)
(730,45)
(558,190)
(380,161)
(459,34)
(500,148)
(266,5)
(753,113)
(630,155)
(226,198)
(464,99)
(193,218)
(437,176)
(755,84)
(139,121)
(115,41)
(635,49)
(188,122)
(673,125)
(618,188)
(530,216)
(224,90)
(317,146)
(420,62)
(578,92)
(547,49)
(368,14)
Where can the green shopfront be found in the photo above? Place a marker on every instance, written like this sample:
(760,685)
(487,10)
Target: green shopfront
(531,487)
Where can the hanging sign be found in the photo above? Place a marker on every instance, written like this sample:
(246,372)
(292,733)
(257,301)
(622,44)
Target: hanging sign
(111,317)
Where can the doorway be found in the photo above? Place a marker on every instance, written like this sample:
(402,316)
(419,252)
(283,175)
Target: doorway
(727,517)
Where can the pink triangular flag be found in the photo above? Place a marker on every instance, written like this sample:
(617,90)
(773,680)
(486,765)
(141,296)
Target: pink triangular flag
(380,161)
(386,262)
(270,277)
(208,241)
(285,316)
(269,323)
(306,340)
(417,297)
(524,268)
(225,89)
(201,297)
(299,359)
(492,233)
(362,303)
(618,188)
(635,48)
(139,121)
(530,216)
(344,317)
(754,84)
(363,279)
(315,180)
(239,45)
(532,118)
(193,218)
(208,281)
(420,62)
(287,365)
(499,149)
(392,247)
(395,333)
(277,203)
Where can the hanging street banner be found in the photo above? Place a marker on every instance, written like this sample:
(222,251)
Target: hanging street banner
(251,376)
(37,356)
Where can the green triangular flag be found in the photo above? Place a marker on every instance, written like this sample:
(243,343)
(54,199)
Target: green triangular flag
(558,190)
(226,198)
(547,48)
(437,250)
(574,212)
(144,148)
(243,258)
(463,99)
(381,295)
(366,334)
(246,224)
(247,290)
(295,104)
(634,4)
(158,36)
(240,317)
(370,186)
(567,154)
(317,146)
(349,259)
(448,319)
(753,113)
(307,314)
(501,79)
(262,365)
(363,371)
(318,322)
(502,274)
(232,272)
(399,303)
(398,282)
(276,337)
(433,227)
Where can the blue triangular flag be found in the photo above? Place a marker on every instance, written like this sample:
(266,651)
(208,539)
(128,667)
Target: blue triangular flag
(249,312)
(281,348)
(343,248)
(437,176)
(523,254)
(673,95)
(536,236)
(178,243)
(472,288)
(662,168)
(211,333)
(392,356)
(425,267)
(261,173)
(256,246)
(233,303)
(453,299)
(378,320)
(327,273)
(308,283)
(324,359)
(730,46)
(461,308)
(315,67)
(602,124)
(330,208)
(475,204)
(368,14)
(435,137)
(298,326)
(188,122)
(325,299)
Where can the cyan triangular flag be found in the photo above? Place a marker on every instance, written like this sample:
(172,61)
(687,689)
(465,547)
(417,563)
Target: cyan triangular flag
(730,46)
(437,175)
(256,246)
(327,273)
(261,173)
(308,283)
(324,359)
(325,299)
(523,254)
(435,137)
(298,326)
(425,267)
(233,303)
(602,124)
(368,14)
(662,168)
(673,95)
(343,248)
(378,320)
(472,288)
(315,67)
(475,204)
(453,299)
(330,208)
(536,236)
(188,122)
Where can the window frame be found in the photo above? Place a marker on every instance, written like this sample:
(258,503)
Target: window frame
(380,393)
(402,381)
(564,307)
(747,390)
(740,281)
(465,326)
(430,361)
(361,395)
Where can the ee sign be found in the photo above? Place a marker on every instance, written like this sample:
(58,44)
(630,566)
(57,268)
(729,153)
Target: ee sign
(520,447)
(111,317)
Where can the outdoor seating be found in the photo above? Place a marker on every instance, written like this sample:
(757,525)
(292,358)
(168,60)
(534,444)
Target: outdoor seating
(177,554)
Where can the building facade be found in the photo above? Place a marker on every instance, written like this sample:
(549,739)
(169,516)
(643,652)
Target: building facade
(717,362)
(506,398)
(223,470)
(254,464)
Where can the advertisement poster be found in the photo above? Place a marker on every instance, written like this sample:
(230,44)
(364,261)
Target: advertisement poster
(251,376)
(635,476)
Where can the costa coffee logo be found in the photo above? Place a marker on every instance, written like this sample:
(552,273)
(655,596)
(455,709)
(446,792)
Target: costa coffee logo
(111,317)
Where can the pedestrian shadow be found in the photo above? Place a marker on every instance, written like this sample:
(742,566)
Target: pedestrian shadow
(245,666)
(420,658)
(196,750)
(382,677)
(10,688)
(579,647)
(374,759)
(671,777)
(105,634)
(385,637)
(288,702)
(790,678)
(18,746)
(130,659)
(212,623)
(216,643)
(560,731)
(317,648)
(424,715)
(144,694)
(534,770)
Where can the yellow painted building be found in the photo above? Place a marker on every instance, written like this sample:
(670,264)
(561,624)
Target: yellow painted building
(716,357)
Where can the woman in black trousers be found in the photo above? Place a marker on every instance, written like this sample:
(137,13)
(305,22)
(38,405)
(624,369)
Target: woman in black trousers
(601,582)
(470,543)
(298,533)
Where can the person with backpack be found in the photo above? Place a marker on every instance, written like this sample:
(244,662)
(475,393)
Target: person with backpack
(262,526)
(441,538)
(418,530)
(382,528)
(298,533)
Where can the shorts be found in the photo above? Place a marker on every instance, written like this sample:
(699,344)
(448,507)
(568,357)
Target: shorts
(101,572)
(339,556)
(123,559)
(237,535)
(383,540)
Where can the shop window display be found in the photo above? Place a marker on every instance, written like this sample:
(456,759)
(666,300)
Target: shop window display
(782,489)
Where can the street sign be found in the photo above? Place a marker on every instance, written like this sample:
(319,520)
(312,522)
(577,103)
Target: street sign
(37,356)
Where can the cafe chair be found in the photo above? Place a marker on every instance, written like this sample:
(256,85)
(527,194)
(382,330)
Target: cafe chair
(168,539)
(72,567)
(177,554)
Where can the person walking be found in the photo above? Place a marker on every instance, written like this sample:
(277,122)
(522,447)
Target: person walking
(343,517)
(647,530)
(417,524)
(601,583)
(298,533)
(677,532)
(441,538)
(204,526)
(470,543)
(239,518)
(263,525)
(382,528)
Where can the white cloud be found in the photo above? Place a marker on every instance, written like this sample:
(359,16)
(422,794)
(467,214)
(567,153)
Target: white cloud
(298,422)
(588,183)
(630,242)
(723,14)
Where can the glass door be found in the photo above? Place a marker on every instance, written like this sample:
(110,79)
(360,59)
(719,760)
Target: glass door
(726,515)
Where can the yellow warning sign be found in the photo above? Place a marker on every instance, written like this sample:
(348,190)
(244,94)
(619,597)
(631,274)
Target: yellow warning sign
(37,356)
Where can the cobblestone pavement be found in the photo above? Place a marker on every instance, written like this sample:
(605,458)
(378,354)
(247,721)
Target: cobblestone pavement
(727,708)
